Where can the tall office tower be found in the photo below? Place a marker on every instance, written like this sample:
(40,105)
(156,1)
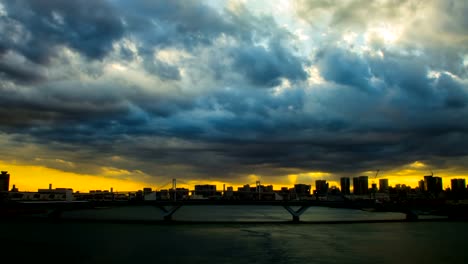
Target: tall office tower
(356,186)
(433,184)
(345,185)
(428,183)
(383,185)
(361,185)
(438,184)
(421,185)
(321,186)
(458,185)
(4,181)
(364,182)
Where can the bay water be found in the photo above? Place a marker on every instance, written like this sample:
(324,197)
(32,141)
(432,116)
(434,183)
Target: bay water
(264,238)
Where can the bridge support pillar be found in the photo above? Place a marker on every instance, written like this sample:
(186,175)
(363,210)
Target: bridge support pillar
(167,217)
(55,214)
(296,214)
(411,216)
(169,212)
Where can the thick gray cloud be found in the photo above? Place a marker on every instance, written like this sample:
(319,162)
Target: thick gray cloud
(183,88)
(344,67)
(18,71)
(265,67)
(37,28)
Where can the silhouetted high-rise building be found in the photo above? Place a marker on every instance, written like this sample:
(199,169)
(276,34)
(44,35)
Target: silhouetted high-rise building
(438,184)
(321,187)
(364,181)
(4,181)
(428,183)
(458,185)
(302,189)
(356,189)
(345,185)
(361,185)
(421,185)
(383,185)
(433,184)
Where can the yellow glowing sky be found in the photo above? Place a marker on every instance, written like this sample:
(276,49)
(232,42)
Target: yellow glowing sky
(32,177)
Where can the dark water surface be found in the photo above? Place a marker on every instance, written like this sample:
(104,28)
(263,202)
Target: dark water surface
(231,213)
(80,242)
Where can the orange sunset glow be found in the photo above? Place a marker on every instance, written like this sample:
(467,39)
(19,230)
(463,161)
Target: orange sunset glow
(32,177)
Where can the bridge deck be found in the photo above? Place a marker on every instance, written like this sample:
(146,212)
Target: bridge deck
(169,207)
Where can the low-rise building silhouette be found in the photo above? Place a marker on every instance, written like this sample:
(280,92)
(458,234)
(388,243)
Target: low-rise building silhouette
(61,194)
(205,190)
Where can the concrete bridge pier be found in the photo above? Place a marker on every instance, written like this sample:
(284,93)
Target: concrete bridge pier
(55,213)
(169,212)
(411,215)
(296,213)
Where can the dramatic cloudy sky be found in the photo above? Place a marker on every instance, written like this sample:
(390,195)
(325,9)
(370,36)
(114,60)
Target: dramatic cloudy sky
(94,93)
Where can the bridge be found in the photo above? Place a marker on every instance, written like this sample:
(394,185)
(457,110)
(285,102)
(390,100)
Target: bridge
(55,209)
(170,207)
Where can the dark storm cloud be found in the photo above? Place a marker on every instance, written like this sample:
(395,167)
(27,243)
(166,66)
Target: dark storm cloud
(190,24)
(406,77)
(343,67)
(19,72)
(169,23)
(83,113)
(454,92)
(37,28)
(406,72)
(265,67)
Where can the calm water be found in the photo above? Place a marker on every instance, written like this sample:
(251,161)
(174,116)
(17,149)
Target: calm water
(232,213)
(72,242)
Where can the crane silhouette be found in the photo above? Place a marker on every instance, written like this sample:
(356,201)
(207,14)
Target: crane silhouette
(375,176)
